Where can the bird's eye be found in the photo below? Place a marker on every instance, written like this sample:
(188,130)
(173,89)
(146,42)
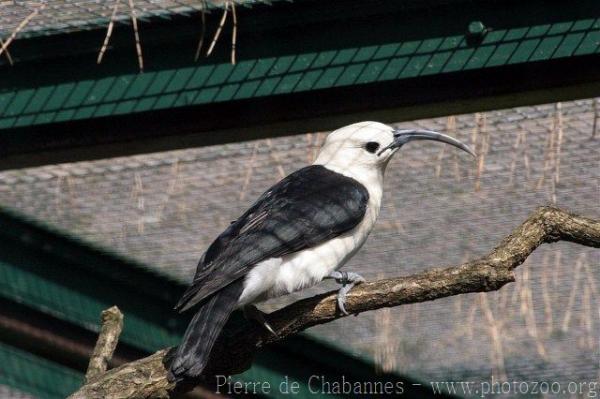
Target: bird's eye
(372,146)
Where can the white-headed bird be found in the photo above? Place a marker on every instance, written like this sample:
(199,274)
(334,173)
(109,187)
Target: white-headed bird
(299,232)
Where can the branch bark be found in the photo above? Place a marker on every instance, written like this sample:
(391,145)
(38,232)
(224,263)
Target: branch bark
(112,325)
(234,351)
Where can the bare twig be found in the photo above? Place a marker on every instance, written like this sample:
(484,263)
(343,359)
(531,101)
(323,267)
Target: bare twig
(548,313)
(387,342)
(548,156)
(249,171)
(112,325)
(596,116)
(174,181)
(572,296)
(7,53)
(513,165)
(233,33)
(234,350)
(483,149)
(21,26)
(451,130)
(109,30)
(219,29)
(558,127)
(275,157)
(529,315)
(136,33)
(203,33)
(494,331)
(138,195)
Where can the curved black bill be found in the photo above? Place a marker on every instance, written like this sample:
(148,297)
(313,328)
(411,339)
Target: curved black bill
(402,137)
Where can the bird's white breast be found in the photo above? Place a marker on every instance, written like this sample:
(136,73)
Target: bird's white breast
(279,276)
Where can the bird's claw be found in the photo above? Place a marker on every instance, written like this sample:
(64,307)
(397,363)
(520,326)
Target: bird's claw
(341,300)
(348,281)
(251,312)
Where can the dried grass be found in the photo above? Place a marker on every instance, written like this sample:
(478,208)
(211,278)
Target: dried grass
(590,301)
(219,29)
(552,155)
(228,4)
(497,355)
(137,196)
(315,141)
(596,107)
(528,313)
(471,319)
(442,152)
(450,130)
(233,34)
(557,268)
(203,31)
(309,148)
(480,139)
(572,296)
(395,222)
(275,157)
(174,183)
(249,171)
(7,53)
(64,198)
(546,294)
(586,318)
(558,128)
(387,344)
(520,149)
(136,33)
(109,31)
(20,27)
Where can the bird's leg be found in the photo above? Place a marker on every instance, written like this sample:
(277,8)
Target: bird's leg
(348,280)
(251,312)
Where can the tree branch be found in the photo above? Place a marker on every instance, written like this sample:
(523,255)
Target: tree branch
(112,325)
(234,351)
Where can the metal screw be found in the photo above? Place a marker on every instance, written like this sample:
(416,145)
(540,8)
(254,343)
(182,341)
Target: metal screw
(477,28)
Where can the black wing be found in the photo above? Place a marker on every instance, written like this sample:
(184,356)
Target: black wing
(305,209)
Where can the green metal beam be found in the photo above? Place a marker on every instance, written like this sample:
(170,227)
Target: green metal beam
(309,64)
(300,71)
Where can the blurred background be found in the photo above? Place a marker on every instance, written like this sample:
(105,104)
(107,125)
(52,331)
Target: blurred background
(111,198)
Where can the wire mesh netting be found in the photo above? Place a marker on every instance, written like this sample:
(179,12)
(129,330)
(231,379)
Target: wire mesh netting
(11,393)
(439,208)
(58,16)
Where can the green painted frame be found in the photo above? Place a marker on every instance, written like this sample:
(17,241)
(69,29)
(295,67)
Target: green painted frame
(286,74)
(400,60)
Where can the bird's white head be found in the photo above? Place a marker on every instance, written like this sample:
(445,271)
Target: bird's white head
(362,150)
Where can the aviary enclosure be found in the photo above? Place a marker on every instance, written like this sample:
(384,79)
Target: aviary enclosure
(132,133)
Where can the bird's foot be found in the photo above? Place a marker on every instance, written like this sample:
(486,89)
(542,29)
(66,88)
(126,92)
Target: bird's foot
(348,280)
(251,312)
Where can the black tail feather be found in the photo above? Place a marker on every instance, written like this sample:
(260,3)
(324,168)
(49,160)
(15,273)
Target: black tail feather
(202,332)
